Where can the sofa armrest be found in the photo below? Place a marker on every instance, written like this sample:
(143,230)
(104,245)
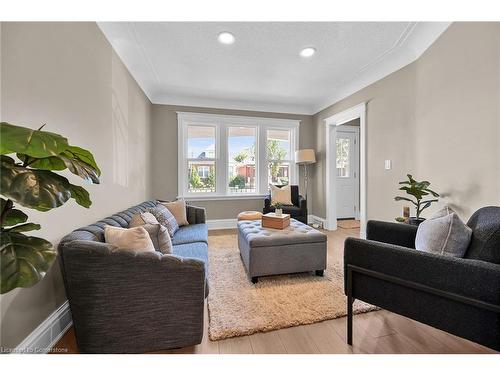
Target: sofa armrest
(195,215)
(392,233)
(267,201)
(302,203)
(157,298)
(466,277)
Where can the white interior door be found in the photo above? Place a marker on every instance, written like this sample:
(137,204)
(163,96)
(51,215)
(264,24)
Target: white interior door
(347,173)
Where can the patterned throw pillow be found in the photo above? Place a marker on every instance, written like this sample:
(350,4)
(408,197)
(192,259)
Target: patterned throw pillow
(160,237)
(142,218)
(158,233)
(165,218)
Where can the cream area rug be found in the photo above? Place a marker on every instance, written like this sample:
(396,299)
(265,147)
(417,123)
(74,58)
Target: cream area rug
(238,308)
(348,224)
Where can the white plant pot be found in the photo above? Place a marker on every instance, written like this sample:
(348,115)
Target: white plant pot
(278,212)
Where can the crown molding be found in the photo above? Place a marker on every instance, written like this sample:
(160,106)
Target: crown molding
(192,101)
(407,49)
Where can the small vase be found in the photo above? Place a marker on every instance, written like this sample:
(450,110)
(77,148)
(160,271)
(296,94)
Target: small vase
(278,212)
(415,221)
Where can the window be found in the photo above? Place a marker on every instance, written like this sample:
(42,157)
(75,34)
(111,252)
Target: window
(201,159)
(241,159)
(234,156)
(342,162)
(203,171)
(278,154)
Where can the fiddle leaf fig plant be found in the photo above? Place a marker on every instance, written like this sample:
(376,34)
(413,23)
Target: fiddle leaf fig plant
(29,181)
(418,190)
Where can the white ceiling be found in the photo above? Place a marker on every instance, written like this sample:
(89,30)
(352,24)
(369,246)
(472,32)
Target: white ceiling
(182,63)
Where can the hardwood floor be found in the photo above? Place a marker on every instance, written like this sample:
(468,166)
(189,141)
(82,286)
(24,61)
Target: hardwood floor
(374,332)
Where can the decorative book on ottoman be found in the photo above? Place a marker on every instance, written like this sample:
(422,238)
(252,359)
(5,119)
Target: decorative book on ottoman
(271,220)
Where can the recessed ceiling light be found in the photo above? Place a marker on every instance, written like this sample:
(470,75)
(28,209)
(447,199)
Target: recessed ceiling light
(308,52)
(226,38)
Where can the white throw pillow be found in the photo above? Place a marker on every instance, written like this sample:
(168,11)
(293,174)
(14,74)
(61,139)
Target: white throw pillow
(281,195)
(128,239)
(443,233)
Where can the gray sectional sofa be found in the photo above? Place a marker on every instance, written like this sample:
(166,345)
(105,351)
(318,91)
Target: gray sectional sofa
(134,302)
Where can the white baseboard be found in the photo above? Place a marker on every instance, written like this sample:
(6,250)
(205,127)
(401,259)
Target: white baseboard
(222,224)
(47,334)
(313,218)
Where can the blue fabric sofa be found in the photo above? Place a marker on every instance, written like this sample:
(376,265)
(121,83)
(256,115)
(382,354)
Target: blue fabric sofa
(134,302)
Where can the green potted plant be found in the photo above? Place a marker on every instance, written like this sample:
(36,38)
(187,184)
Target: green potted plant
(27,179)
(418,190)
(278,209)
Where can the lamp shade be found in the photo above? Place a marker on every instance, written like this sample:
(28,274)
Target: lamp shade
(305,156)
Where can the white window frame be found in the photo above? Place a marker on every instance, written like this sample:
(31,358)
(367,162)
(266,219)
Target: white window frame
(205,169)
(222,123)
(291,155)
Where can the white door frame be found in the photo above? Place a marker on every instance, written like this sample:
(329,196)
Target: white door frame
(331,123)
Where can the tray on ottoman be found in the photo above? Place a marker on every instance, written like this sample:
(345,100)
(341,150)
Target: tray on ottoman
(266,251)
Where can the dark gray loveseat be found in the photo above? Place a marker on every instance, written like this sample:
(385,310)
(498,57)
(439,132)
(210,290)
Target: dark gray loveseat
(457,295)
(128,302)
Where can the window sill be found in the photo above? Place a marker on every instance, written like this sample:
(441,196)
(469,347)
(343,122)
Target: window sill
(195,198)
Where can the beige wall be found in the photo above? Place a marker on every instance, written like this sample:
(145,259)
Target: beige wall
(164,156)
(437,118)
(458,116)
(389,131)
(67,76)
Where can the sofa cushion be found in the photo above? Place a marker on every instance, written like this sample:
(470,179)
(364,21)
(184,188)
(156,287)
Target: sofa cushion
(485,241)
(197,250)
(292,210)
(444,233)
(191,233)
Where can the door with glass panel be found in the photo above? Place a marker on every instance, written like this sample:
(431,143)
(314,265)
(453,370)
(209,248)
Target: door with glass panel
(347,174)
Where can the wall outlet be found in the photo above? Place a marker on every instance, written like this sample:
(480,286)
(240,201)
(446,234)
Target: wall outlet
(388,164)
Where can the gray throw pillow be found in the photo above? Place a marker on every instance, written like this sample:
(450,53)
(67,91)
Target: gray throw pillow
(160,237)
(158,233)
(165,218)
(444,233)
